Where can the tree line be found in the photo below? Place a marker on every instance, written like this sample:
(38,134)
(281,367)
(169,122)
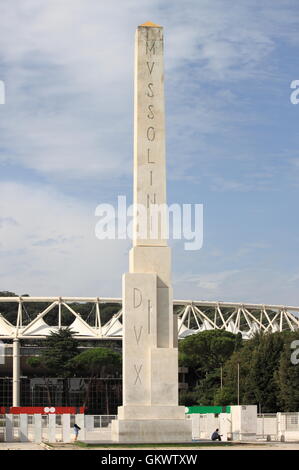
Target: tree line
(61,357)
(223,367)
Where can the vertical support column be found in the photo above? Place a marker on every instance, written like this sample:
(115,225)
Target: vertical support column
(195,420)
(81,424)
(52,428)
(8,428)
(88,423)
(98,323)
(23,428)
(225,426)
(244,422)
(59,313)
(66,428)
(281,426)
(38,428)
(16,372)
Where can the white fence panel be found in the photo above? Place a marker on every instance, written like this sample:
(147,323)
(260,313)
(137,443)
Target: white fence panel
(267,426)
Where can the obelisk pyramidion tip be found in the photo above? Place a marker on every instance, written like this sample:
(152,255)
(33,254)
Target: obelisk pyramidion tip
(149,24)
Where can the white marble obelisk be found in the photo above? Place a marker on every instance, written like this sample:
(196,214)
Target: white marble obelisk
(150,411)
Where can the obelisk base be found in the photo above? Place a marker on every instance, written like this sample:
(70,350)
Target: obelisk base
(145,412)
(151,431)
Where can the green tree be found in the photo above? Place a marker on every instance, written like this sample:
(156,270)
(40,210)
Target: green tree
(287,375)
(97,363)
(188,398)
(59,348)
(204,354)
(262,375)
(239,360)
(207,350)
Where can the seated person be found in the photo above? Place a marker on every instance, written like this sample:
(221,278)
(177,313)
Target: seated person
(216,436)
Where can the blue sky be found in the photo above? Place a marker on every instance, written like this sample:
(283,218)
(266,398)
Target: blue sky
(232,143)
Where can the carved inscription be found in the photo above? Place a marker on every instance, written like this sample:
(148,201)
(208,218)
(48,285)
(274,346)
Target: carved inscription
(151,112)
(151,47)
(151,134)
(137,334)
(137,370)
(149,309)
(137,297)
(150,67)
(148,157)
(151,201)
(150,93)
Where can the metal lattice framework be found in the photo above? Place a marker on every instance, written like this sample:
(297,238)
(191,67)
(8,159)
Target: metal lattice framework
(246,319)
(193,317)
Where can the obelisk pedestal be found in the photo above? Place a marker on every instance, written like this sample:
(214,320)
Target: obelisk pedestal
(150,411)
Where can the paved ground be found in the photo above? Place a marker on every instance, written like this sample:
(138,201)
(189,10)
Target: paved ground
(20,446)
(245,446)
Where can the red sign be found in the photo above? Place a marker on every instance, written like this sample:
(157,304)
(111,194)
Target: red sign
(42,410)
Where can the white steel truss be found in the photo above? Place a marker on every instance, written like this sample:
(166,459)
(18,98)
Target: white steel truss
(193,317)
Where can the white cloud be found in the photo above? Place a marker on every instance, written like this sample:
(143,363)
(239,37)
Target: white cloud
(48,248)
(247,285)
(51,249)
(209,281)
(69,71)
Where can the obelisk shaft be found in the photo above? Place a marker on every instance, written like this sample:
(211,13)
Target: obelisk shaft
(147,292)
(150,411)
(149,130)
(150,253)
